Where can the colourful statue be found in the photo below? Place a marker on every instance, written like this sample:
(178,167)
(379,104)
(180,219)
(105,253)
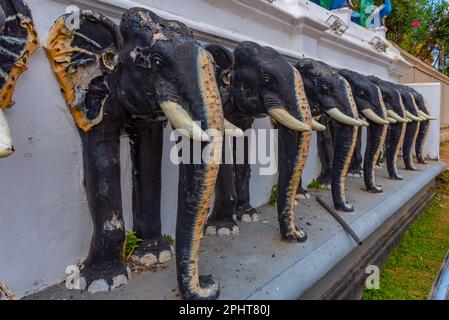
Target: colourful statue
(372,16)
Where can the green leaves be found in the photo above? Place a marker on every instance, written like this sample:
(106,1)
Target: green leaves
(274,195)
(420,27)
(315,185)
(132,242)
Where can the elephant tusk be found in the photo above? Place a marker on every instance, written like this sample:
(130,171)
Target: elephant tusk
(392,121)
(342,118)
(396,117)
(232,130)
(364,123)
(181,120)
(287,120)
(410,116)
(371,115)
(316,126)
(6,148)
(425,115)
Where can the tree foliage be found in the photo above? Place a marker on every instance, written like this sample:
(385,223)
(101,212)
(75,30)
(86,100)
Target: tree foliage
(420,27)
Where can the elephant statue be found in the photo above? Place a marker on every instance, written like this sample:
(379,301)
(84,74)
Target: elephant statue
(254,82)
(370,104)
(330,94)
(398,123)
(412,128)
(18,42)
(131,78)
(424,126)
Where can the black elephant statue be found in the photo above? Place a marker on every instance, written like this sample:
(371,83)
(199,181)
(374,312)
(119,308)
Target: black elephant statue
(424,125)
(18,42)
(398,123)
(254,82)
(370,104)
(131,78)
(412,127)
(330,94)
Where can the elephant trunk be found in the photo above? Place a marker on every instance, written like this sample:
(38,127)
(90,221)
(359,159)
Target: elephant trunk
(6,148)
(423,132)
(395,137)
(345,142)
(347,138)
(196,186)
(411,134)
(293,147)
(377,134)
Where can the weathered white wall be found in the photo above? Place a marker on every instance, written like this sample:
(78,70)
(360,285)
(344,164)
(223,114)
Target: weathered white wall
(432,92)
(44,221)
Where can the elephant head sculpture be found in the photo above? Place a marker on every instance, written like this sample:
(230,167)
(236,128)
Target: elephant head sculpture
(369,100)
(257,81)
(18,42)
(398,123)
(424,125)
(330,94)
(132,77)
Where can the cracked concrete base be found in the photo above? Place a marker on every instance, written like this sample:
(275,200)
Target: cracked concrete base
(257,264)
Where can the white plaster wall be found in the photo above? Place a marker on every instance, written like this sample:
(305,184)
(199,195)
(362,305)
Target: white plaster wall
(44,220)
(432,93)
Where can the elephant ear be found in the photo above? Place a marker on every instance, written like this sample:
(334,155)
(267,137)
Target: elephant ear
(18,41)
(224,62)
(82,50)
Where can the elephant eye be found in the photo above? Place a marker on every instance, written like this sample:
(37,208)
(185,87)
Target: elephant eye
(158,60)
(325,87)
(266,78)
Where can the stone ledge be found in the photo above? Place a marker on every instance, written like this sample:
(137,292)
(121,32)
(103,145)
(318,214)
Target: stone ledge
(258,265)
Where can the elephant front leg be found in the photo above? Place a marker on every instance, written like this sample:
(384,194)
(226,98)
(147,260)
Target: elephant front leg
(343,150)
(325,152)
(409,142)
(221,222)
(104,268)
(301,193)
(146,154)
(355,167)
(243,211)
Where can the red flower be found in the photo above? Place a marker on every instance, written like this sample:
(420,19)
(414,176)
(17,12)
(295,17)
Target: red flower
(415,24)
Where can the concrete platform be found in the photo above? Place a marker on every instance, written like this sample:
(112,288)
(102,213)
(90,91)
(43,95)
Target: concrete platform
(258,265)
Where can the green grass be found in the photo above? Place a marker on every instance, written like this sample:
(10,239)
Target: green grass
(412,267)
